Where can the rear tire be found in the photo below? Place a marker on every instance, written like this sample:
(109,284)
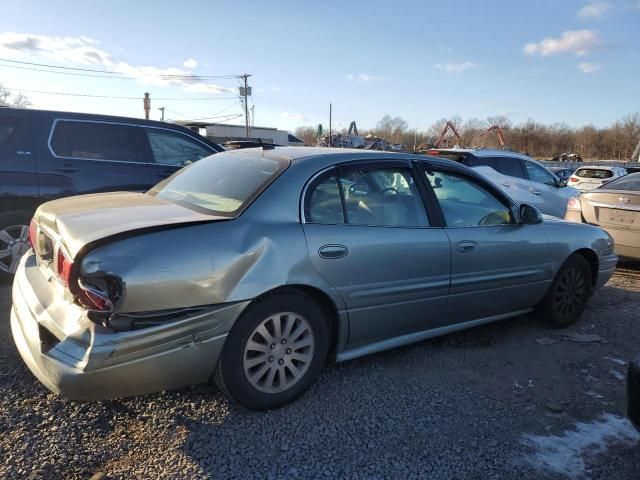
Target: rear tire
(275,351)
(14,241)
(569,293)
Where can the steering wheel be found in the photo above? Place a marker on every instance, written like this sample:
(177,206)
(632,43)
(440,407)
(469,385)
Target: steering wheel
(495,218)
(389,189)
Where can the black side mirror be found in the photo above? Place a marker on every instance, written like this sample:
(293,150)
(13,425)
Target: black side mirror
(562,182)
(530,215)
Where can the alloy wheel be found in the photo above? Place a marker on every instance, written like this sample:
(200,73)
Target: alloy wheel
(570,292)
(14,242)
(278,352)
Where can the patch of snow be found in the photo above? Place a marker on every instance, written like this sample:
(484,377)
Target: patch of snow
(619,361)
(617,374)
(595,395)
(566,453)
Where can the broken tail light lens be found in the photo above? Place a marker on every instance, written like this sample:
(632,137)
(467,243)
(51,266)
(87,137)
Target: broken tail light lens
(33,232)
(63,267)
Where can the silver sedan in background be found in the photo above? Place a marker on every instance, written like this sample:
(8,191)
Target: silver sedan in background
(254,267)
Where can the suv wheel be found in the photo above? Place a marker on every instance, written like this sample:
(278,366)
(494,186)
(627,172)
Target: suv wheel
(14,241)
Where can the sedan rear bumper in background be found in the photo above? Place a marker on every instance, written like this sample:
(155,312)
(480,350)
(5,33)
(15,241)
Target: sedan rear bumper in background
(94,363)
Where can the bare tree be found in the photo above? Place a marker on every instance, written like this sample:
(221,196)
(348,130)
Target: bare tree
(391,128)
(19,100)
(307,134)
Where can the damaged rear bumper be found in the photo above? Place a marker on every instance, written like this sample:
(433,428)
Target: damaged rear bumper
(81,360)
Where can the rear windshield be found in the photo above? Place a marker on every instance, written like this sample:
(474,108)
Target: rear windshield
(8,127)
(629,182)
(222,184)
(593,173)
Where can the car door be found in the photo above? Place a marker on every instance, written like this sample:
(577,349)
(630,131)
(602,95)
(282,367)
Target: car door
(497,265)
(544,185)
(173,150)
(86,156)
(369,236)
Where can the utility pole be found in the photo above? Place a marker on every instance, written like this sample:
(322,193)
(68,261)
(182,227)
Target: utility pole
(147,105)
(245,92)
(330,112)
(162,110)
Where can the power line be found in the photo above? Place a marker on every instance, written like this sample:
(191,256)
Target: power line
(117,97)
(109,72)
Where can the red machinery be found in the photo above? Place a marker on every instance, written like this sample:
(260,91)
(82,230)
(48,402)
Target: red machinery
(499,133)
(447,127)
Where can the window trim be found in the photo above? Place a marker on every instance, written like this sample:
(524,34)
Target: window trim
(383,163)
(502,198)
(128,162)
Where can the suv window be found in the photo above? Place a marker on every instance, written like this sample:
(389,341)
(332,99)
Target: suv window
(510,166)
(98,141)
(9,125)
(473,161)
(174,148)
(464,203)
(538,174)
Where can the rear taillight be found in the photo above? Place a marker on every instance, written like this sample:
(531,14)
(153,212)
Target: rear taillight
(574,204)
(63,268)
(33,233)
(573,179)
(93,298)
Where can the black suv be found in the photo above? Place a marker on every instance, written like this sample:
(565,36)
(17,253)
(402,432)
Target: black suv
(46,155)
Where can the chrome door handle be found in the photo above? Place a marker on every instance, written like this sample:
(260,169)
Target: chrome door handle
(536,192)
(333,251)
(506,184)
(466,246)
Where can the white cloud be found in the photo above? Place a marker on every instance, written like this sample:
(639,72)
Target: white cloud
(298,117)
(589,67)
(190,63)
(594,9)
(84,51)
(574,42)
(366,77)
(455,67)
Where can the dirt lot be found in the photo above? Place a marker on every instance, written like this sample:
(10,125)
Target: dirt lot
(509,400)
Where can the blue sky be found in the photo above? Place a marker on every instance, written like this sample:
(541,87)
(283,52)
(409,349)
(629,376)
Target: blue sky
(571,61)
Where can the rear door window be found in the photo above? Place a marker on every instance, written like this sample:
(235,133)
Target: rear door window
(98,141)
(9,125)
(175,149)
(510,166)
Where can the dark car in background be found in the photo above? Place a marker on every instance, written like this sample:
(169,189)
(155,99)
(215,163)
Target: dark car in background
(46,155)
(563,173)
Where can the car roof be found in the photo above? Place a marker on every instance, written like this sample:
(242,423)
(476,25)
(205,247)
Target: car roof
(484,152)
(99,117)
(597,167)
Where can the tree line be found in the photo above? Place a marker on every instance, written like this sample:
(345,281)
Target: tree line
(544,141)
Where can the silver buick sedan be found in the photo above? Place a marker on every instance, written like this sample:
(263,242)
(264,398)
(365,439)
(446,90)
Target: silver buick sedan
(254,267)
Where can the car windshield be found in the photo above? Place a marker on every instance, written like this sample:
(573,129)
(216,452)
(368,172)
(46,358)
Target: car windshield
(222,184)
(628,182)
(593,173)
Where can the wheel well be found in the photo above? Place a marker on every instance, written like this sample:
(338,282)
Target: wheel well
(23,204)
(325,302)
(592,258)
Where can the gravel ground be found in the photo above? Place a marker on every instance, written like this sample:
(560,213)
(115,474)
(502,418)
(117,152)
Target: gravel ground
(508,400)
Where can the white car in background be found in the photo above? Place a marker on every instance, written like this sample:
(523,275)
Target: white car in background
(588,178)
(521,177)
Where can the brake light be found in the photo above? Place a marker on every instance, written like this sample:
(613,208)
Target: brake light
(63,268)
(574,204)
(573,179)
(433,152)
(94,301)
(33,232)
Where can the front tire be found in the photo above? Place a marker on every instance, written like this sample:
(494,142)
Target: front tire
(274,352)
(569,293)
